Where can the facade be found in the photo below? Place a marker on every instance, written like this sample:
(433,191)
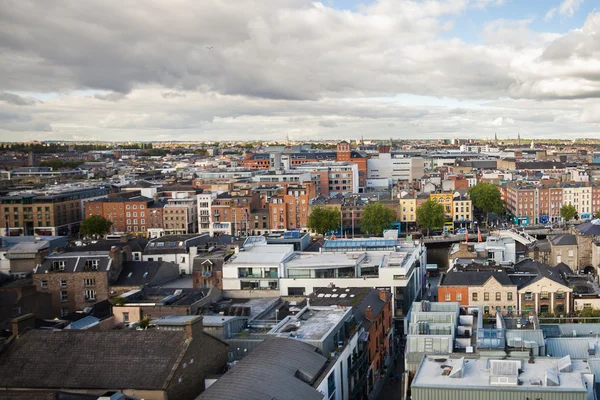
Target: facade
(128,215)
(564,249)
(79,280)
(289,209)
(49,213)
(542,288)
(331,178)
(180,215)
(395,168)
(462,212)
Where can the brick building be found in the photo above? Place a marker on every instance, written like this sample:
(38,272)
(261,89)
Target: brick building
(289,209)
(78,280)
(128,214)
(51,213)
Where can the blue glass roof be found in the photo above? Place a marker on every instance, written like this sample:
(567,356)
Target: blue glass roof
(364,243)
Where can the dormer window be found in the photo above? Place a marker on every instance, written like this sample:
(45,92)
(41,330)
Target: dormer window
(91,265)
(58,265)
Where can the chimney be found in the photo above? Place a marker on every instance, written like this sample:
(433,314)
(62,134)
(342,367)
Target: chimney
(383,295)
(22,323)
(194,328)
(369,313)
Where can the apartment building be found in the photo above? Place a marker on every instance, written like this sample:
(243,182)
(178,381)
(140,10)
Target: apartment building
(289,209)
(331,178)
(54,212)
(386,166)
(128,215)
(462,211)
(180,215)
(532,204)
(445,199)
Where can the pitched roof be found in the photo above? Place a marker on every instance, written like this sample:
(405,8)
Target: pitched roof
(475,278)
(589,228)
(90,359)
(140,273)
(540,270)
(564,240)
(279,368)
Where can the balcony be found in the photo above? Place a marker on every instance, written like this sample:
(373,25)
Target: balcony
(357,363)
(206,274)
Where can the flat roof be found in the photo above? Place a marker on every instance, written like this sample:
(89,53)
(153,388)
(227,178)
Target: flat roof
(314,323)
(262,254)
(349,243)
(477,372)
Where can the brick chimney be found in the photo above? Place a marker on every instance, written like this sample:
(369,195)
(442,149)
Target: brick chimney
(369,313)
(383,295)
(194,328)
(22,323)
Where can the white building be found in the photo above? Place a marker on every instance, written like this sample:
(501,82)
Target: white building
(396,168)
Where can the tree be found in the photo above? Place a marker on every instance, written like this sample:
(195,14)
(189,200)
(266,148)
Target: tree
(568,212)
(324,219)
(376,218)
(430,215)
(486,197)
(95,225)
(597,214)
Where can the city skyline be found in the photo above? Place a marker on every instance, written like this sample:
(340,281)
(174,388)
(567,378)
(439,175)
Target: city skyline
(332,70)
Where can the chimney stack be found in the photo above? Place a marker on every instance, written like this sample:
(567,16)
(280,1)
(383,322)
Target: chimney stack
(369,313)
(22,323)
(383,295)
(194,328)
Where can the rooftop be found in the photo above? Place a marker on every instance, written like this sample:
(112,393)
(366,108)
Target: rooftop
(313,324)
(263,254)
(480,374)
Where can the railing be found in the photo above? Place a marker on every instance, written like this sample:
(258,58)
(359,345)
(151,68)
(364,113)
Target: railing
(359,362)
(260,276)
(358,386)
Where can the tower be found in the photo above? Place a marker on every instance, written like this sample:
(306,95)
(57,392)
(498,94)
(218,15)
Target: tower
(287,140)
(519,139)
(496,138)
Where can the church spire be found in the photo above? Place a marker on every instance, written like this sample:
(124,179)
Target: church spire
(519,139)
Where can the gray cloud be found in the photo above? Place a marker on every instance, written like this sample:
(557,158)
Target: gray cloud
(17,100)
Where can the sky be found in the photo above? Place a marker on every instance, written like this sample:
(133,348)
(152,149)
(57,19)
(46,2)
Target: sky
(214,70)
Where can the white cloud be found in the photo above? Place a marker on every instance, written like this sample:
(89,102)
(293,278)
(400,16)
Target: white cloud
(263,69)
(566,9)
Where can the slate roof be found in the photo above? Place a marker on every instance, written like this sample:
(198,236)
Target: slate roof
(87,359)
(540,270)
(140,273)
(589,228)
(75,262)
(279,368)
(137,245)
(475,278)
(564,240)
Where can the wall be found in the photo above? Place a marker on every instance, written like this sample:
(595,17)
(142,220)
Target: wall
(453,291)
(492,286)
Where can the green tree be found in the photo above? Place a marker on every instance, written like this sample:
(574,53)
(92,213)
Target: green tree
(376,218)
(95,225)
(324,219)
(568,212)
(430,215)
(486,197)
(597,214)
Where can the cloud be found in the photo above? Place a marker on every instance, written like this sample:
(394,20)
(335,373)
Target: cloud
(17,100)
(566,9)
(290,67)
(328,124)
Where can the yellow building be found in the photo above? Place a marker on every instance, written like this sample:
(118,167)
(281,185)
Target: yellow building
(445,198)
(462,212)
(408,209)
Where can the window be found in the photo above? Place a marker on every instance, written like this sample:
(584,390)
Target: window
(486,296)
(63,284)
(528,296)
(498,296)
(560,294)
(544,295)
(89,294)
(509,296)
(458,296)
(89,282)
(58,266)
(44,284)
(474,297)
(571,253)
(447,297)
(125,317)
(64,311)
(64,296)
(91,265)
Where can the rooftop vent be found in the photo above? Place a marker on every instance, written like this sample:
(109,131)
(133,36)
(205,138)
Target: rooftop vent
(591,348)
(552,378)
(458,369)
(564,364)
